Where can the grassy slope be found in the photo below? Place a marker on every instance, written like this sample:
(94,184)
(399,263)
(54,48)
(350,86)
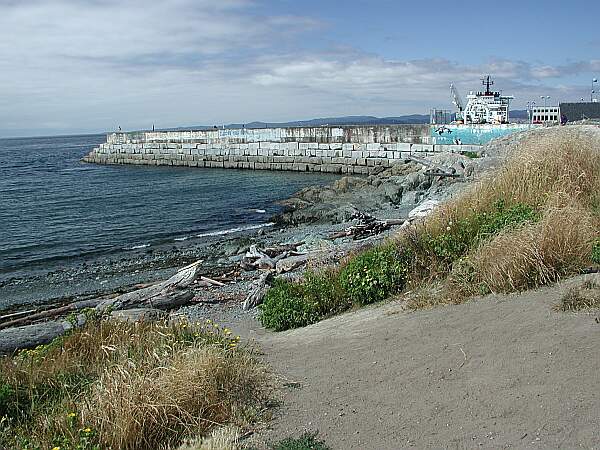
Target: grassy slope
(129,386)
(531,222)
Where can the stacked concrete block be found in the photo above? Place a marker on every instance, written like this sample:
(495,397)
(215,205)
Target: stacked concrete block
(310,152)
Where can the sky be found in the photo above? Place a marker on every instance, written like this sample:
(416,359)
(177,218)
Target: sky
(83,66)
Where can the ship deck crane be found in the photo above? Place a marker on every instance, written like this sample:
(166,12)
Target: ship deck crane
(456,98)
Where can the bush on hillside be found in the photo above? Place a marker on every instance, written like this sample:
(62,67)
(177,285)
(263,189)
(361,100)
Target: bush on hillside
(537,254)
(291,305)
(375,274)
(459,237)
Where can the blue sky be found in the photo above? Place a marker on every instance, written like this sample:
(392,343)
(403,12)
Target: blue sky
(76,66)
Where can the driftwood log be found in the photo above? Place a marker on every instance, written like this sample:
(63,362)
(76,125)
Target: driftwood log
(367,226)
(257,291)
(164,295)
(21,332)
(12,339)
(50,313)
(267,258)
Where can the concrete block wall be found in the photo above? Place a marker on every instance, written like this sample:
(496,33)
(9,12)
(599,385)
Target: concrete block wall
(333,157)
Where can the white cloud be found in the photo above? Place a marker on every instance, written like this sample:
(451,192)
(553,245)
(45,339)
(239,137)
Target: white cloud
(71,65)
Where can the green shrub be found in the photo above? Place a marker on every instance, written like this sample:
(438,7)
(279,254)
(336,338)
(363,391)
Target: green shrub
(596,252)
(464,234)
(376,274)
(307,441)
(285,307)
(293,305)
(470,154)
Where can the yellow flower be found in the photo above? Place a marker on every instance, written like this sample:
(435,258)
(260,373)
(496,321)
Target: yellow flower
(227,331)
(87,430)
(55,448)
(71,414)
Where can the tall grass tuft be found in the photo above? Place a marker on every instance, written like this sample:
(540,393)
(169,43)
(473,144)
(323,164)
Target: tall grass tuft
(129,386)
(556,175)
(558,245)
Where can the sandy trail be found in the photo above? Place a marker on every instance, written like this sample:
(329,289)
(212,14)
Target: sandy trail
(504,371)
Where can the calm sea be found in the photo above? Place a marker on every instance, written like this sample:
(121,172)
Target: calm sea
(56,210)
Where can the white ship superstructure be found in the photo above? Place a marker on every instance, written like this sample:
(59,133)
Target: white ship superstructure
(482,107)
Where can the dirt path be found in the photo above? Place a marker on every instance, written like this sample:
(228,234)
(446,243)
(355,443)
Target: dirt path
(499,372)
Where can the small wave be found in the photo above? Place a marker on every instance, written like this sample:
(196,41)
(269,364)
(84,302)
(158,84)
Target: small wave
(137,247)
(179,239)
(260,211)
(74,169)
(236,230)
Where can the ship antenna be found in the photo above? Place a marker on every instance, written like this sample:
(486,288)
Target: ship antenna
(487,83)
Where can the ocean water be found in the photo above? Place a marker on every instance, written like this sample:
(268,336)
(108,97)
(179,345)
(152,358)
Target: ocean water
(56,210)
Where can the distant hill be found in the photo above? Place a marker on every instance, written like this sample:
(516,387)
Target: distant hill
(345,120)
(519,114)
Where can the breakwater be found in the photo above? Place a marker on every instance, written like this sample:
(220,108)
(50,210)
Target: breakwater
(344,149)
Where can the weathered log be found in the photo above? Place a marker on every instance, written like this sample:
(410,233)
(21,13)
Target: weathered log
(367,226)
(257,291)
(291,263)
(164,295)
(17,314)
(168,294)
(28,336)
(50,313)
(210,281)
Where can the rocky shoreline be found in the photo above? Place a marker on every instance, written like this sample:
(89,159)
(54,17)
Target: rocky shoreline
(311,217)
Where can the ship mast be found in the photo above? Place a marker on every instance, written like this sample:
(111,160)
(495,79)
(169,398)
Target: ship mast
(487,82)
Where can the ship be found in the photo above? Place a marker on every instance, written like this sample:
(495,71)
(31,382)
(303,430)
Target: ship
(483,107)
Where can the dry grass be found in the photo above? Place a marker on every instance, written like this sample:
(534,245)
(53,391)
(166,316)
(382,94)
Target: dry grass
(582,297)
(201,388)
(429,295)
(558,174)
(132,386)
(224,438)
(561,161)
(537,254)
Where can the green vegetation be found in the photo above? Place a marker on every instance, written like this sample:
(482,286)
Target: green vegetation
(307,441)
(470,154)
(128,386)
(461,236)
(382,271)
(292,305)
(596,252)
(369,277)
(374,275)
